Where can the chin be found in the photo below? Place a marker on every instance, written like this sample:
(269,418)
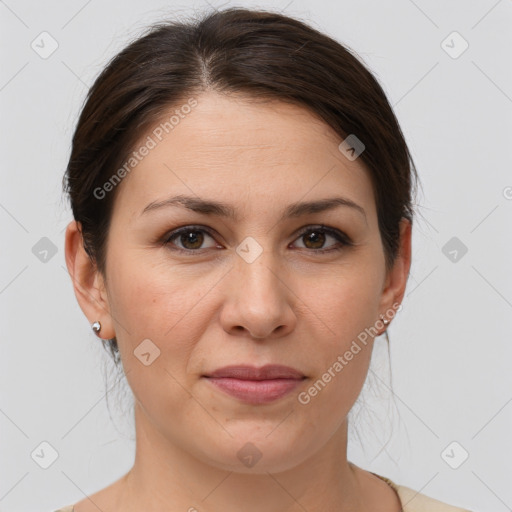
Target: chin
(254,452)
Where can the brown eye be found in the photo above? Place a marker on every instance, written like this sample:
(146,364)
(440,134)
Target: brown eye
(194,238)
(191,239)
(314,238)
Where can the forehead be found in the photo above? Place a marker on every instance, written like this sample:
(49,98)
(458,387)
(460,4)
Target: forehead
(240,150)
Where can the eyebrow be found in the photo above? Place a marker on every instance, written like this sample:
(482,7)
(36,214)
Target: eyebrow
(217,208)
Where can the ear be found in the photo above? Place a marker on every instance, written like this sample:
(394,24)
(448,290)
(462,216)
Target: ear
(396,280)
(88,283)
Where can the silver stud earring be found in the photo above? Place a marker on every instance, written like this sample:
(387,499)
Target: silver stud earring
(96,327)
(385,321)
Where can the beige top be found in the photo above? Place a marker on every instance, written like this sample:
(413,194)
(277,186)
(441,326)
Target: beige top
(410,500)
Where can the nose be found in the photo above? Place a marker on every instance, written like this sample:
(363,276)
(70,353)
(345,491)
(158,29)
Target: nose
(258,301)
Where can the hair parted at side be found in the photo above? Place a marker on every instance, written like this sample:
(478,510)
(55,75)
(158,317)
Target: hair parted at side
(259,54)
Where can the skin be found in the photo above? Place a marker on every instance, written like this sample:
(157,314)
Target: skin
(291,306)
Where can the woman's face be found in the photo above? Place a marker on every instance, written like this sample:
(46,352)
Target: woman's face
(261,285)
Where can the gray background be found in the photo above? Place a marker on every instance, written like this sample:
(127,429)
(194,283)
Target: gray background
(450,345)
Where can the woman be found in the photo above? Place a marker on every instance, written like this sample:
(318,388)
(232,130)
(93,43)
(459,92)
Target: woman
(241,193)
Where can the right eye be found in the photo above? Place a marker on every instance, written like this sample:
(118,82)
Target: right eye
(191,238)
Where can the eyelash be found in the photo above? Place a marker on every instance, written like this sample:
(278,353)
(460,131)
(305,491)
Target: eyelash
(338,235)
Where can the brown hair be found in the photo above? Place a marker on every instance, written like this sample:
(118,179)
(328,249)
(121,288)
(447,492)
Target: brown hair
(257,53)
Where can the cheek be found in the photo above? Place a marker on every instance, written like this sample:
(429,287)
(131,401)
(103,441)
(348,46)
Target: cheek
(158,329)
(325,403)
(152,298)
(161,305)
(347,304)
(347,301)
(343,345)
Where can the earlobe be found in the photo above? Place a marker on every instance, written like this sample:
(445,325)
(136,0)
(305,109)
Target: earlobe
(87,281)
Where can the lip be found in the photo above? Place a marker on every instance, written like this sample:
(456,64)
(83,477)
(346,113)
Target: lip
(246,372)
(256,385)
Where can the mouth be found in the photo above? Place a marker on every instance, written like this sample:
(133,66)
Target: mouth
(256,385)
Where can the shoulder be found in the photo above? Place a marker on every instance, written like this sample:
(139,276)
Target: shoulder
(104,499)
(413,501)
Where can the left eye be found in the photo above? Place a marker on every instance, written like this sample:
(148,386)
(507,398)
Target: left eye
(317,237)
(314,238)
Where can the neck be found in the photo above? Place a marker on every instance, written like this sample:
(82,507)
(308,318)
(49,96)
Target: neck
(164,476)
